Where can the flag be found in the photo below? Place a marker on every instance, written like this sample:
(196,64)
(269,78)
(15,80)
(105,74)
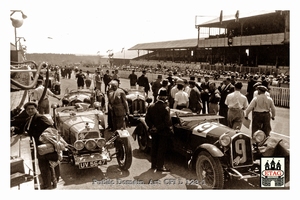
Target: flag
(237,15)
(221,16)
(122,50)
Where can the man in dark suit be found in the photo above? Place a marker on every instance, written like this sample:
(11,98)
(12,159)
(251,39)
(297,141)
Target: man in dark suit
(226,89)
(117,106)
(250,88)
(205,94)
(144,82)
(159,122)
(35,126)
(195,103)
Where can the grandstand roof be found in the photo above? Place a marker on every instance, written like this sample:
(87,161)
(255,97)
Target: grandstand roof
(174,44)
(230,18)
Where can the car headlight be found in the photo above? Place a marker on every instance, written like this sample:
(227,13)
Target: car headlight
(225,140)
(79,145)
(90,144)
(259,136)
(101,142)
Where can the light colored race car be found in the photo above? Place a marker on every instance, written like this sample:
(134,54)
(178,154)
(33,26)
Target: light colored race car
(89,144)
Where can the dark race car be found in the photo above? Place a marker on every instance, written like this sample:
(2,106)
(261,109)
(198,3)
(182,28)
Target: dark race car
(137,103)
(215,151)
(89,144)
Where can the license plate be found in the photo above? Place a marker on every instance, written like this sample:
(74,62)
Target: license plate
(90,164)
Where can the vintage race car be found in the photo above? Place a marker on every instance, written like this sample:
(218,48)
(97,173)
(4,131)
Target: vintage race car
(215,151)
(89,144)
(137,103)
(71,97)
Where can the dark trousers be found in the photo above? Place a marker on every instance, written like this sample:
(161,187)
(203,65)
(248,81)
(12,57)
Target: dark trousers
(48,175)
(261,121)
(223,112)
(158,150)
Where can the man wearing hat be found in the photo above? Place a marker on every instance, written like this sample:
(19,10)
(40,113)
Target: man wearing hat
(156,85)
(44,107)
(255,93)
(144,82)
(159,122)
(261,106)
(35,126)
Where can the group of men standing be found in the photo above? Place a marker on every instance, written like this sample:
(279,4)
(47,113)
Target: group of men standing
(225,100)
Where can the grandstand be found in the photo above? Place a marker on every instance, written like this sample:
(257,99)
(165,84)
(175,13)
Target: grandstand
(246,42)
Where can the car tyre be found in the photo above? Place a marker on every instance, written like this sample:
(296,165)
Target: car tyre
(124,153)
(142,138)
(209,171)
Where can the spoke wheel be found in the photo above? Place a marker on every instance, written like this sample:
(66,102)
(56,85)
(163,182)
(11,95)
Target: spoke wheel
(142,138)
(124,153)
(209,171)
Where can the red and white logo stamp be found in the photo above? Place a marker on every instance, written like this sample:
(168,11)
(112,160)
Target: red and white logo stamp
(272,171)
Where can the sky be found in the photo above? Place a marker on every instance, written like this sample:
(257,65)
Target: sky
(93,26)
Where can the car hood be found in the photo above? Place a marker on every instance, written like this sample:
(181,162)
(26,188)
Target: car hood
(77,123)
(135,94)
(212,129)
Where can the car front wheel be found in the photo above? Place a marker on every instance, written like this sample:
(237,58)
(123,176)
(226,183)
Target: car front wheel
(124,153)
(209,171)
(142,138)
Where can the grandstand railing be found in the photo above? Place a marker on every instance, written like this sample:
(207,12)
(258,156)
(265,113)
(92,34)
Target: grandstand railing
(206,66)
(264,39)
(280,96)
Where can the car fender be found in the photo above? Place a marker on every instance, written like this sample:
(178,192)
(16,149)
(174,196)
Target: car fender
(212,149)
(137,129)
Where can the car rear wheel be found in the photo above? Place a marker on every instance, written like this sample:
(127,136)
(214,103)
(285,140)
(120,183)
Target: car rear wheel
(124,153)
(209,171)
(142,138)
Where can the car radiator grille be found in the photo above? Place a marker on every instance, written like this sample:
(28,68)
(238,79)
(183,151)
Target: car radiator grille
(241,151)
(138,105)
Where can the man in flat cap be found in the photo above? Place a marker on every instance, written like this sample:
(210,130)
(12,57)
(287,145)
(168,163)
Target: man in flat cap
(159,121)
(263,110)
(36,124)
(255,93)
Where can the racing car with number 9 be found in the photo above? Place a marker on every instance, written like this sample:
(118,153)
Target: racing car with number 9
(217,152)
